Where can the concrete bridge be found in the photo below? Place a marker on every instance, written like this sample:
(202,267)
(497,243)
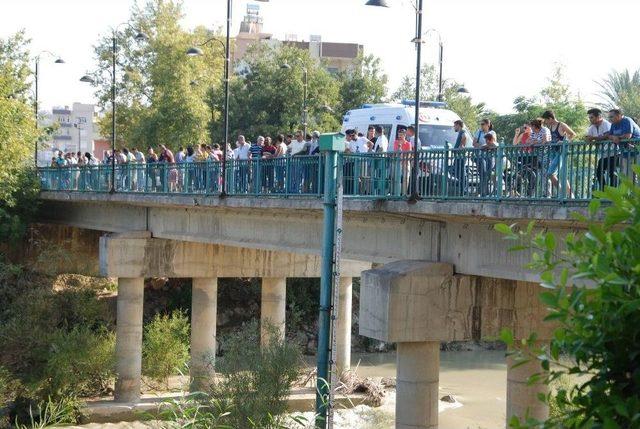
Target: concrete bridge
(430,272)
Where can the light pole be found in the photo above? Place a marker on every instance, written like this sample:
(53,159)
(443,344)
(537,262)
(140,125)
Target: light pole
(414,197)
(139,37)
(305,111)
(440,58)
(195,51)
(227,68)
(36,75)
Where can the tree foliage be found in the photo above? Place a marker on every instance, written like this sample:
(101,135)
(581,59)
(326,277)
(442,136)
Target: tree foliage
(267,99)
(556,96)
(362,83)
(621,89)
(428,86)
(592,291)
(161,93)
(18,135)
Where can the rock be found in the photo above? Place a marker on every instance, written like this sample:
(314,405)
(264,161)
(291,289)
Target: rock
(449,398)
(388,382)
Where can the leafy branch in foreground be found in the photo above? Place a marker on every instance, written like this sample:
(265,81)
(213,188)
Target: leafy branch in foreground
(592,292)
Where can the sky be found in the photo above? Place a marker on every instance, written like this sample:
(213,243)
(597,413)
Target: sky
(498,49)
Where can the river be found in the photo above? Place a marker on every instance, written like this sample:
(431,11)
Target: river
(477,379)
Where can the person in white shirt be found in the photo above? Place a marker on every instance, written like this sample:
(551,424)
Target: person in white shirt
(241,153)
(297,146)
(382,143)
(599,126)
(140,169)
(608,161)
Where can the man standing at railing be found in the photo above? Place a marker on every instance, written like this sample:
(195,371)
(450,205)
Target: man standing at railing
(255,153)
(140,169)
(296,148)
(607,162)
(624,128)
(241,156)
(463,140)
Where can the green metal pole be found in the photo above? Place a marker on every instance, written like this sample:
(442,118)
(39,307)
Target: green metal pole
(326,293)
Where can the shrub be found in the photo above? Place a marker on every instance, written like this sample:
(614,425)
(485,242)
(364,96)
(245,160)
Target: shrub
(80,362)
(593,294)
(165,348)
(256,380)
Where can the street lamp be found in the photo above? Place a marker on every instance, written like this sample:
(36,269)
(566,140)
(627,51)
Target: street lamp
(305,111)
(196,51)
(414,197)
(440,59)
(57,60)
(227,67)
(139,37)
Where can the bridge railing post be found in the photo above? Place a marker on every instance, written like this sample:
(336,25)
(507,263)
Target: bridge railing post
(499,158)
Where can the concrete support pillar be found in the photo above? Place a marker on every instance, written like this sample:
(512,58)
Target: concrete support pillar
(129,339)
(522,399)
(418,374)
(273,307)
(343,328)
(204,306)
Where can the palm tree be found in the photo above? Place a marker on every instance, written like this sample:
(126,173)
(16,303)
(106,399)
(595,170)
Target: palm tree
(621,89)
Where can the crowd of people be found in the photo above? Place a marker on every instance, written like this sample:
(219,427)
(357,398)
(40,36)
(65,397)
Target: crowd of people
(530,166)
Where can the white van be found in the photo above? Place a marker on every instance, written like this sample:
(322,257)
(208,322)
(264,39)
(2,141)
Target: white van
(436,121)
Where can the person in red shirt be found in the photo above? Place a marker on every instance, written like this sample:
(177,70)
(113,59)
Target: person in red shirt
(402,172)
(402,144)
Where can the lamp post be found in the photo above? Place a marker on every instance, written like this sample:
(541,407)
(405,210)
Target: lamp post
(196,51)
(36,76)
(139,37)
(440,58)
(305,111)
(227,68)
(414,197)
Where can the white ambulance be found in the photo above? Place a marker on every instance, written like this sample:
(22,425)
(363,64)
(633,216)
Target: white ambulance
(436,121)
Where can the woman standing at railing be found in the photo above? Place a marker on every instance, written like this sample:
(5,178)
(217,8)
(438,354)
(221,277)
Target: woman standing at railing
(463,139)
(484,158)
(281,151)
(560,132)
(540,135)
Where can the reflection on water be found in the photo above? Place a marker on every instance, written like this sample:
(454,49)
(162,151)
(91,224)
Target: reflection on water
(384,364)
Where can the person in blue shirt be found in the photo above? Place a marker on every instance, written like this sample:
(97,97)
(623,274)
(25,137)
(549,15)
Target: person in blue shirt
(624,128)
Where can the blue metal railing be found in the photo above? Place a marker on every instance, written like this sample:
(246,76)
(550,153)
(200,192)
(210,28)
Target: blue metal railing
(566,171)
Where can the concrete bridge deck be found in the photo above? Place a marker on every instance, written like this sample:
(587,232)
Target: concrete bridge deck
(380,231)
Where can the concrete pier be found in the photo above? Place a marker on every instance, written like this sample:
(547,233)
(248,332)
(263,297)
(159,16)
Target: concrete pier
(343,329)
(418,374)
(522,399)
(129,339)
(204,306)
(273,307)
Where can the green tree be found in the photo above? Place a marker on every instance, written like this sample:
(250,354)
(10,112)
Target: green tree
(428,86)
(18,134)
(157,101)
(267,99)
(621,89)
(592,290)
(556,96)
(362,83)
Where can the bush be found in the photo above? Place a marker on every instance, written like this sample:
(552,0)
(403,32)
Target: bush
(257,380)
(165,347)
(80,362)
(593,294)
